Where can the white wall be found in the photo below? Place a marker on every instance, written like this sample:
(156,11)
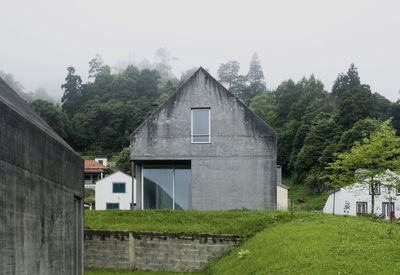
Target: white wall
(104,191)
(360,193)
(104,160)
(281,198)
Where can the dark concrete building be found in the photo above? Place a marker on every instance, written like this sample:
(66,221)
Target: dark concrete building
(41,192)
(204,149)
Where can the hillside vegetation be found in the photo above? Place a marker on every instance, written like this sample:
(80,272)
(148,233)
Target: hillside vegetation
(312,124)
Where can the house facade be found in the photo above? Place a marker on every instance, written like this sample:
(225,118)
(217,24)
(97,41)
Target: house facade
(41,193)
(102,159)
(356,200)
(115,192)
(94,171)
(204,149)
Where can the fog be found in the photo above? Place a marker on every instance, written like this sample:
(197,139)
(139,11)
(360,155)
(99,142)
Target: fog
(40,39)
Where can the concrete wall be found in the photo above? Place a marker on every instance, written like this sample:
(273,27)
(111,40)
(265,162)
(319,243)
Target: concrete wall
(154,251)
(40,178)
(237,169)
(104,191)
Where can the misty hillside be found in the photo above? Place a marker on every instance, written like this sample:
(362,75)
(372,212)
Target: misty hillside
(312,124)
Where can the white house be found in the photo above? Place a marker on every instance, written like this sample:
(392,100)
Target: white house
(115,192)
(282,191)
(356,200)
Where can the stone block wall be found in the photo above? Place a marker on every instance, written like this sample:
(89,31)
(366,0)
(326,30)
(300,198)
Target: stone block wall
(154,251)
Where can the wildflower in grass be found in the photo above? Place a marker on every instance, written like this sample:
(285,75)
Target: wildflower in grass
(243,253)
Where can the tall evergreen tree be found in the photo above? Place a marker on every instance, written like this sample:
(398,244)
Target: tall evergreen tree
(346,81)
(72,87)
(356,103)
(255,78)
(255,74)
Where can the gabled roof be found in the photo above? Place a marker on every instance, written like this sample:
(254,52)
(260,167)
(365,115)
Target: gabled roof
(94,166)
(10,98)
(215,82)
(283,186)
(110,177)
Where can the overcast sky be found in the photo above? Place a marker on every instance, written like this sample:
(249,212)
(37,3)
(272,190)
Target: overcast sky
(41,38)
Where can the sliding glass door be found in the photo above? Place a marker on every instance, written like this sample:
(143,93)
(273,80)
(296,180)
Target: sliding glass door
(167,187)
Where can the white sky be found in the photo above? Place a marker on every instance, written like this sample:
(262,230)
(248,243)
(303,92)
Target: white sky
(41,38)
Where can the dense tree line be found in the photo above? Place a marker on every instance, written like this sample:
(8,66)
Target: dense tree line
(98,116)
(313,125)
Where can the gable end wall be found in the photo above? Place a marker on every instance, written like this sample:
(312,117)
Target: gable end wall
(236,170)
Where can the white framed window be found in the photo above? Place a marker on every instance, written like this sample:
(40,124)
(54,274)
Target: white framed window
(201,128)
(376,188)
(387,209)
(361,208)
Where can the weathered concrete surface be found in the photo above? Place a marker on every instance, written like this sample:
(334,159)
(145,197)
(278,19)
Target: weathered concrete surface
(237,169)
(40,177)
(154,251)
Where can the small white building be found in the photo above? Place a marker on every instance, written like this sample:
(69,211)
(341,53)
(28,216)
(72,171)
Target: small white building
(101,159)
(356,200)
(282,201)
(282,191)
(115,192)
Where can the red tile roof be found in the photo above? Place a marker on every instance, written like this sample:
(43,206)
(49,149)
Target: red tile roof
(93,166)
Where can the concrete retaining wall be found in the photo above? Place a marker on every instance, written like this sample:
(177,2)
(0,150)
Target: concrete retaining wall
(153,251)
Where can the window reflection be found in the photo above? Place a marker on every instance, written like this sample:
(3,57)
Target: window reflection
(159,184)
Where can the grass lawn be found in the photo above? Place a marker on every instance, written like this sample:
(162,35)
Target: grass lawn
(136,272)
(324,245)
(236,222)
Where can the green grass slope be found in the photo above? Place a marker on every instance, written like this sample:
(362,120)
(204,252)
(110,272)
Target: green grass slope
(323,244)
(135,272)
(236,222)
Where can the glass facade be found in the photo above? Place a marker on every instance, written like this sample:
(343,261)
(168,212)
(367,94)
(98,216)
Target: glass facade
(167,187)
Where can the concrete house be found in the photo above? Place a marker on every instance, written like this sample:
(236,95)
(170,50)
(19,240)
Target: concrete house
(115,192)
(41,191)
(204,149)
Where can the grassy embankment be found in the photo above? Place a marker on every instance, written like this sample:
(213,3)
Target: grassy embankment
(136,272)
(237,222)
(321,244)
(313,243)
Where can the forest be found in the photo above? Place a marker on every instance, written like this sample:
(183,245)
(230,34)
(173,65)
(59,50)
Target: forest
(313,125)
